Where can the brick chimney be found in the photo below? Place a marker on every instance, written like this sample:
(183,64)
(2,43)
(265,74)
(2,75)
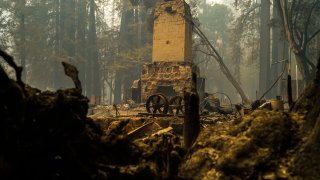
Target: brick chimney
(172,33)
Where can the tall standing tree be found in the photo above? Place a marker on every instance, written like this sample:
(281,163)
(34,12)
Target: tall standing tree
(66,39)
(94,69)
(57,43)
(217,35)
(299,21)
(81,39)
(22,30)
(134,41)
(279,49)
(127,17)
(244,44)
(264,78)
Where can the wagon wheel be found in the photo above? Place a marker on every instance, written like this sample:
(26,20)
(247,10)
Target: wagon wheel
(176,106)
(157,103)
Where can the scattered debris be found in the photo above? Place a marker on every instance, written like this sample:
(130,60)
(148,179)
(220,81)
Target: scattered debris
(242,150)
(144,130)
(47,135)
(266,105)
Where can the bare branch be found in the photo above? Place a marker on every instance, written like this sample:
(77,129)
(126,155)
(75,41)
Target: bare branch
(287,16)
(305,39)
(204,52)
(279,7)
(223,67)
(299,35)
(296,16)
(245,15)
(313,35)
(313,67)
(292,6)
(9,59)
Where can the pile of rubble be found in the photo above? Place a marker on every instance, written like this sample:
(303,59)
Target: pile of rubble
(48,135)
(248,149)
(264,144)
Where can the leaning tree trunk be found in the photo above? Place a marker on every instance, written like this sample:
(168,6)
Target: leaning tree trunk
(306,67)
(303,66)
(93,55)
(225,70)
(23,38)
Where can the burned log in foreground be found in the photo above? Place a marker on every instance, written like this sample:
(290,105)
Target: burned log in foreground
(44,135)
(47,135)
(72,72)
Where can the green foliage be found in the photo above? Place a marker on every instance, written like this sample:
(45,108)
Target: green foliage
(245,31)
(306,27)
(6,23)
(215,20)
(300,22)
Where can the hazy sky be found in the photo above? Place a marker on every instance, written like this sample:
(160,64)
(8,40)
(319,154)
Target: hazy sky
(220,1)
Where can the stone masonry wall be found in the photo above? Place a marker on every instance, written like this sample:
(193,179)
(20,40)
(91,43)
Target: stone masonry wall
(175,74)
(172,46)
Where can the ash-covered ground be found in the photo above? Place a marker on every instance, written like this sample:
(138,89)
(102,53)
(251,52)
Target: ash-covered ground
(49,135)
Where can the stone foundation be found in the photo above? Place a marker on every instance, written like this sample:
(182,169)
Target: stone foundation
(177,75)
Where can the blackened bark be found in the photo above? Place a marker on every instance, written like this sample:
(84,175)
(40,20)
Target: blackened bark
(92,39)
(318,71)
(307,161)
(191,126)
(12,64)
(4,79)
(23,39)
(309,101)
(73,73)
(289,90)
(81,39)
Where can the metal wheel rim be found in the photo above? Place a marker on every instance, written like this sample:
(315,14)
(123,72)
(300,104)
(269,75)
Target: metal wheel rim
(157,103)
(176,105)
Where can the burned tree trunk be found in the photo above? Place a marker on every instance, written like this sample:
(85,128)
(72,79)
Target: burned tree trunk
(11,63)
(288,14)
(307,162)
(225,70)
(191,125)
(289,90)
(309,101)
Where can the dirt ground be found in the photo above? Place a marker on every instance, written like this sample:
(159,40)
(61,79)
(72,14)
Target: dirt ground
(55,135)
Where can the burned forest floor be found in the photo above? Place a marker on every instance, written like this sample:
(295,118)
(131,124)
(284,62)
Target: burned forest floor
(55,135)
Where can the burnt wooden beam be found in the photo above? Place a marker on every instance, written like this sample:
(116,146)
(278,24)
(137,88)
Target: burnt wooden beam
(191,125)
(73,73)
(10,61)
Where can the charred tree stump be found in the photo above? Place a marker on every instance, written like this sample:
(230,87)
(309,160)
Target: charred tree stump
(72,72)
(191,125)
(289,91)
